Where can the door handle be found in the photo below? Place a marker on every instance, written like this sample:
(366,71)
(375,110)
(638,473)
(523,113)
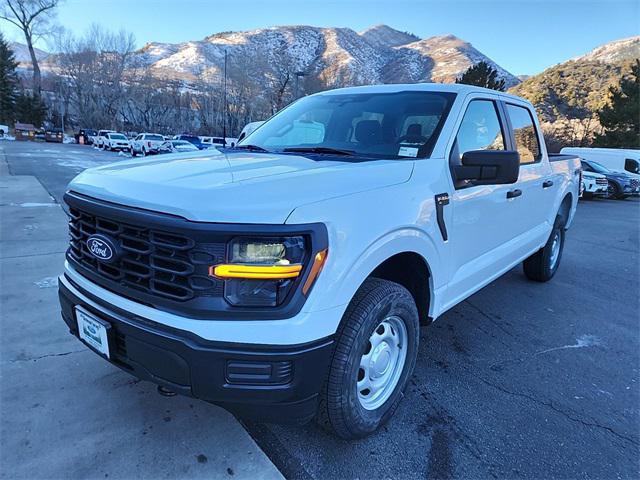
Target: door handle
(514,193)
(547,183)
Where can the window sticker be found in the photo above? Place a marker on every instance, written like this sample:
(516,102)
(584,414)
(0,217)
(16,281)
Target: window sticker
(408,152)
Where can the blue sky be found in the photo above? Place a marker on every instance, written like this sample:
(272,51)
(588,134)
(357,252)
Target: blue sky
(524,37)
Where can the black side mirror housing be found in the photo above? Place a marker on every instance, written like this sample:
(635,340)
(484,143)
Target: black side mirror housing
(489,167)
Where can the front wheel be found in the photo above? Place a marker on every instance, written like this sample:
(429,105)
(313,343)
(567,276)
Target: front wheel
(542,265)
(374,357)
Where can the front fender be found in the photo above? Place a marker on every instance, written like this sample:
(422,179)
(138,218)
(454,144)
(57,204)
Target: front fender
(348,279)
(366,229)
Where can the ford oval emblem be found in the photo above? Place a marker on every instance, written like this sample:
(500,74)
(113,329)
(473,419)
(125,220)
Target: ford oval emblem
(102,248)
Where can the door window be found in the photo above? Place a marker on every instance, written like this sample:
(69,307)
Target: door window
(631,165)
(525,135)
(480,128)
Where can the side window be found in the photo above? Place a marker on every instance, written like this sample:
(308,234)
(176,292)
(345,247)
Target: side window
(631,165)
(586,167)
(480,128)
(525,135)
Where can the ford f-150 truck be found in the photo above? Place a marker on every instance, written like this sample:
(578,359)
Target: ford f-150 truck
(287,278)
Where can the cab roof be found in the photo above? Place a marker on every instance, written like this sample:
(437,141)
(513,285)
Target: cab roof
(422,87)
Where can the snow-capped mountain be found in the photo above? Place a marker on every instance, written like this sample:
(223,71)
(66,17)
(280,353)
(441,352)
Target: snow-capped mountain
(22,56)
(443,59)
(614,52)
(580,86)
(383,36)
(337,56)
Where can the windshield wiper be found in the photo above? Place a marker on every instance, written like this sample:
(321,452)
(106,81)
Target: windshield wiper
(253,148)
(329,150)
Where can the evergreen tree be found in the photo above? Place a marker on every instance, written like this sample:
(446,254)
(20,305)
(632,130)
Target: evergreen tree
(30,108)
(620,119)
(8,83)
(482,75)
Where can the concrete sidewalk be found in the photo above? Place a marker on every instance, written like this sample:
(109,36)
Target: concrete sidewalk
(65,412)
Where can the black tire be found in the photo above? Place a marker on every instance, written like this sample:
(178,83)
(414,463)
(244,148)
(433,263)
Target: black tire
(614,191)
(539,266)
(340,410)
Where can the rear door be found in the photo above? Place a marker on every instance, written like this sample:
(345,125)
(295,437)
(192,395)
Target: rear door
(535,182)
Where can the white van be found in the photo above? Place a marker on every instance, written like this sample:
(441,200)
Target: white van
(616,159)
(249,129)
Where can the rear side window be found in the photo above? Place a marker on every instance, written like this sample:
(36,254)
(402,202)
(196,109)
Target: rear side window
(631,165)
(525,135)
(480,128)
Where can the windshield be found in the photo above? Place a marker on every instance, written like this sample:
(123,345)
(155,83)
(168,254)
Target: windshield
(189,138)
(598,168)
(154,137)
(117,136)
(377,125)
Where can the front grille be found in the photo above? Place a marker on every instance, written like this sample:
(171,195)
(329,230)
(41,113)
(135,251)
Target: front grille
(162,264)
(601,181)
(635,183)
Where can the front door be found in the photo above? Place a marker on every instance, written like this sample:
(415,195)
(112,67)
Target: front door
(482,215)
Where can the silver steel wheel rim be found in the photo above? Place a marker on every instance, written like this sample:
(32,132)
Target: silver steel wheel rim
(382,363)
(555,250)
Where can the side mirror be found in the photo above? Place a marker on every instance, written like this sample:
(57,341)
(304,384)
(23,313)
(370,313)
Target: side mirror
(489,167)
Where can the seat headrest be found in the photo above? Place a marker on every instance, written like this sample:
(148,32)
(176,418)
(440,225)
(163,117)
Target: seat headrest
(368,132)
(415,130)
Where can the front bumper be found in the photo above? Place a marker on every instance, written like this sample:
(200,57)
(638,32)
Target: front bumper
(265,382)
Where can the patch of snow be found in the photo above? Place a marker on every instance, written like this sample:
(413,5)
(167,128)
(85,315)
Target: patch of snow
(34,204)
(47,282)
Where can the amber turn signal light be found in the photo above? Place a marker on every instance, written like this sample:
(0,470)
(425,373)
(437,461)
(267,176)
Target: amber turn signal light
(316,268)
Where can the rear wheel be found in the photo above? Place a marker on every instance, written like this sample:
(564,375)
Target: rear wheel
(542,265)
(374,357)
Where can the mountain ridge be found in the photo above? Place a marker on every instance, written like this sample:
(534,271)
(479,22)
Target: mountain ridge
(336,55)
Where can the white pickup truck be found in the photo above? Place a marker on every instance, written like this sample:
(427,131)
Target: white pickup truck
(287,279)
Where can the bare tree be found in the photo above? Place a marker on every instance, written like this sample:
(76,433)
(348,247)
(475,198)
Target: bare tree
(97,66)
(33,17)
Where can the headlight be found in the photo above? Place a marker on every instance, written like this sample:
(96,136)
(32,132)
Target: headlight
(261,271)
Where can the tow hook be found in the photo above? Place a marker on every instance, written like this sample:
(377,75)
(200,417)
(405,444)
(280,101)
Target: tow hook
(165,392)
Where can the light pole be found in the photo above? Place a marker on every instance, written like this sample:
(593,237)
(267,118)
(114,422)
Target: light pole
(224,115)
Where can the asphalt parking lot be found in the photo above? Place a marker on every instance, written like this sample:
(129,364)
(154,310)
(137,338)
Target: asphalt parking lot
(522,380)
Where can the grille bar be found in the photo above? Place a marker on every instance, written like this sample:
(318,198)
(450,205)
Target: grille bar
(164,264)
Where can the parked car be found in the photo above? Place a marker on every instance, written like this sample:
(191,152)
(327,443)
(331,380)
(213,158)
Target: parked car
(194,139)
(248,129)
(177,146)
(88,134)
(146,143)
(101,138)
(594,184)
(54,135)
(287,280)
(40,135)
(218,142)
(615,159)
(117,142)
(619,184)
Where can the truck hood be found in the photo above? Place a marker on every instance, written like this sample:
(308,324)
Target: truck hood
(234,187)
